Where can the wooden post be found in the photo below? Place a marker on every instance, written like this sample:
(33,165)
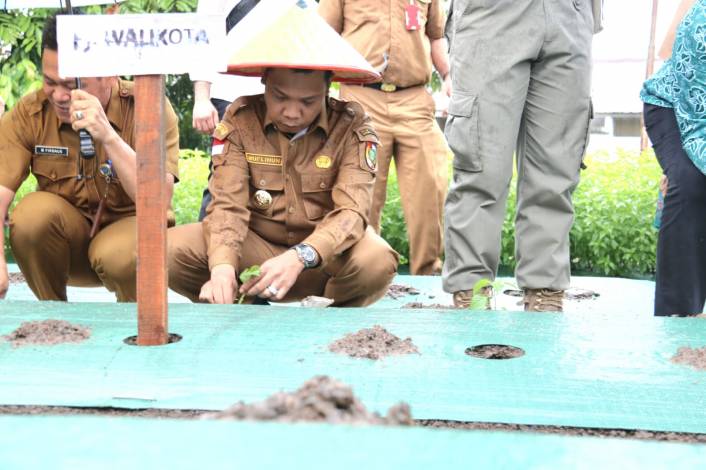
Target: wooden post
(644,142)
(151,211)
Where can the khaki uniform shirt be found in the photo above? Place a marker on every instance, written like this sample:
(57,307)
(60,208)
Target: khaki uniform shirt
(320,183)
(376,28)
(32,138)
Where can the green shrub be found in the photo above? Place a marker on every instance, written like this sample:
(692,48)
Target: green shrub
(614,210)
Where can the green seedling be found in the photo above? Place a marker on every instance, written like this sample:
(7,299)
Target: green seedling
(247,274)
(485,293)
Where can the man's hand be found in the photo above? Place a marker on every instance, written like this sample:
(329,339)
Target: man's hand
(220,289)
(278,275)
(205,117)
(87,113)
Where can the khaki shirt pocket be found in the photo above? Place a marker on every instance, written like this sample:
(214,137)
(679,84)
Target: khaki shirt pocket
(55,175)
(316,194)
(462,131)
(270,182)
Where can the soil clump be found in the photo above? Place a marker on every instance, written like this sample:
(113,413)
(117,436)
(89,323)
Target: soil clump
(428,306)
(47,332)
(373,343)
(152,413)
(16,278)
(320,399)
(694,357)
(397,291)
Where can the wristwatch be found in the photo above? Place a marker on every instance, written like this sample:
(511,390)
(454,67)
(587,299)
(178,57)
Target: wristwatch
(307,255)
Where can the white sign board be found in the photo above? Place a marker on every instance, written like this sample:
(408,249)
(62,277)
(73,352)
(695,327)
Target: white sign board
(154,44)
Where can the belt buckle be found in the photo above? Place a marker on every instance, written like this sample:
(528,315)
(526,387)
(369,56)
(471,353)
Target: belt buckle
(388,87)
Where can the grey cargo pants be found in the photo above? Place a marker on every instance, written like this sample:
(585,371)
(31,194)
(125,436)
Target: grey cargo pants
(521,81)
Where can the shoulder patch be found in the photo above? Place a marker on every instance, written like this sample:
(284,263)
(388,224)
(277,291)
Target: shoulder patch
(223,130)
(367,134)
(126,88)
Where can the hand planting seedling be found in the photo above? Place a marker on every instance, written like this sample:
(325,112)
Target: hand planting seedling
(249,273)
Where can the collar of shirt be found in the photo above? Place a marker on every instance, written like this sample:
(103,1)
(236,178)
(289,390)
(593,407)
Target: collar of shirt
(114,111)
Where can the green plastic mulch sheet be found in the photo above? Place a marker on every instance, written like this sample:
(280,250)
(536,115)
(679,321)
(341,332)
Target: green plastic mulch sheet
(601,370)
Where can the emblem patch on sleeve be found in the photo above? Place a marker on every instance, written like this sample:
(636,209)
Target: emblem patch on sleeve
(222,131)
(217,146)
(371,155)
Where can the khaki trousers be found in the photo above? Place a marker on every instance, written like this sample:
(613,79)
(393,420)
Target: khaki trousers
(405,123)
(356,278)
(50,242)
(521,81)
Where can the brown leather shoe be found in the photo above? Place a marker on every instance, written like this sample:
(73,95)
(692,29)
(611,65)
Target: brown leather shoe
(544,300)
(463,298)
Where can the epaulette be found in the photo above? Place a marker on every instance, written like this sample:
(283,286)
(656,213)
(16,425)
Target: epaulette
(126,88)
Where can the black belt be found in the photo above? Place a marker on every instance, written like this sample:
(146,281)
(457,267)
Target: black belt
(386,87)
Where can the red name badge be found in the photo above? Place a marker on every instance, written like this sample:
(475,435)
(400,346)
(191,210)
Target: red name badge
(412,16)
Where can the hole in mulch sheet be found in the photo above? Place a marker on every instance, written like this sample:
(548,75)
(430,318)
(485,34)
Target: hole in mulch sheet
(173,338)
(495,351)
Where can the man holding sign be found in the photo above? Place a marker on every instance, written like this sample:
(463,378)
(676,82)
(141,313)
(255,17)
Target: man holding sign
(78,228)
(293,173)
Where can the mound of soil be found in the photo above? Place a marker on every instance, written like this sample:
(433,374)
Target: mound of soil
(694,357)
(16,278)
(432,306)
(321,399)
(400,290)
(373,343)
(47,332)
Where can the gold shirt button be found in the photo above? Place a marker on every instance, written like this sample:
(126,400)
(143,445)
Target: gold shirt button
(322,185)
(53,175)
(262,182)
(291,209)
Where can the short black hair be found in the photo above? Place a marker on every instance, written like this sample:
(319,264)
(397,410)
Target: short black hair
(328,75)
(49,32)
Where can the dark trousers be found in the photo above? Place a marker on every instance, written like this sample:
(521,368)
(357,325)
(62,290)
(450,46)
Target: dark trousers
(681,247)
(220,106)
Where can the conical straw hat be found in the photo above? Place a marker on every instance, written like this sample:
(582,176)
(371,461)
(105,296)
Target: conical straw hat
(290,34)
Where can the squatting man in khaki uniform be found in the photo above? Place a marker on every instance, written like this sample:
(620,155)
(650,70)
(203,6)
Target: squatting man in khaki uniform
(293,172)
(402,39)
(521,79)
(51,228)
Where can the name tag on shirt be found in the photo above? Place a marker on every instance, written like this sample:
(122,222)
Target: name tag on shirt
(49,151)
(273,160)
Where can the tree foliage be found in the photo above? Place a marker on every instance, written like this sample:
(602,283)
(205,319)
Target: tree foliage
(20,57)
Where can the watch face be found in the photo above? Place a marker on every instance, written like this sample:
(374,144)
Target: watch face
(308,254)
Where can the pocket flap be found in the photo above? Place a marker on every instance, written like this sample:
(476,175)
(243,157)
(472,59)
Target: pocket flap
(313,183)
(53,168)
(267,180)
(461,104)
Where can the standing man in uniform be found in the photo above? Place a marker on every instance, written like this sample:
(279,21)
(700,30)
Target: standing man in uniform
(78,228)
(521,81)
(402,39)
(293,172)
(214,91)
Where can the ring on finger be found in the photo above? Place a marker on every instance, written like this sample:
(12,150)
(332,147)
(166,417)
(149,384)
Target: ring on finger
(79,115)
(272,289)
